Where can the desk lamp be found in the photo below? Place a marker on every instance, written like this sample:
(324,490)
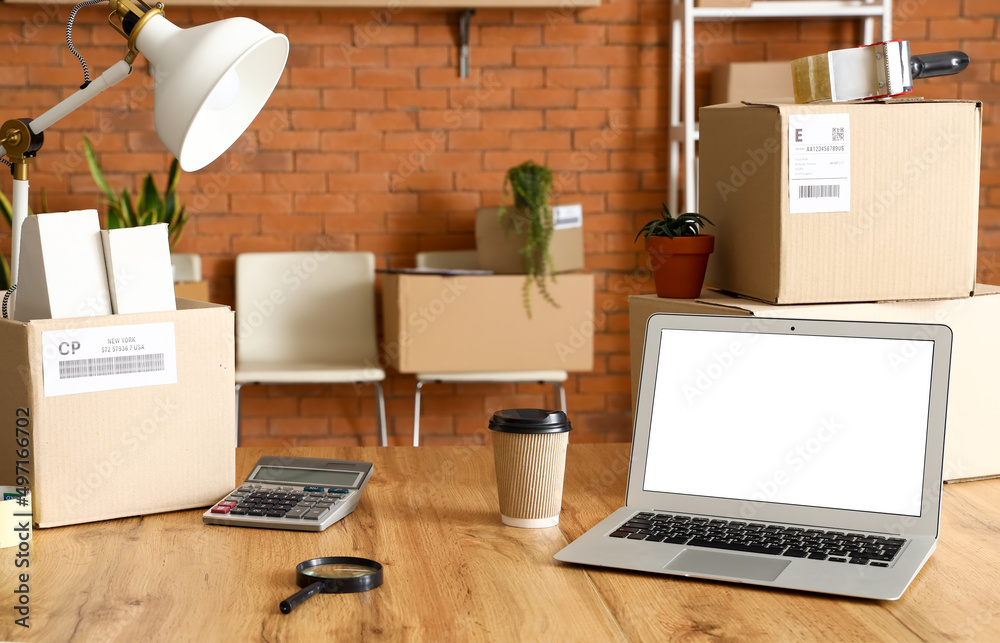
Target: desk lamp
(209,83)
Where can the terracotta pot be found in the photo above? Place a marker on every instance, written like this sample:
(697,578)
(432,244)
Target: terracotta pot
(679,264)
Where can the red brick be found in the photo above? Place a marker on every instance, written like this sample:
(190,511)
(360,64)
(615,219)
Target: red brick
(446,77)
(298,182)
(607,98)
(575,34)
(387,202)
(478,180)
(416,98)
(354,223)
(453,161)
(607,55)
(354,99)
(417,56)
(351,141)
(299,426)
(490,35)
(535,98)
(312,162)
(591,78)
(421,181)
(322,119)
(351,56)
(513,119)
(449,119)
(535,140)
(548,56)
(324,203)
(647,34)
(325,77)
(374,34)
(448,201)
(392,78)
(479,140)
(386,121)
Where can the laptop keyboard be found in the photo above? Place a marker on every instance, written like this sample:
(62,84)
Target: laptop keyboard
(760,538)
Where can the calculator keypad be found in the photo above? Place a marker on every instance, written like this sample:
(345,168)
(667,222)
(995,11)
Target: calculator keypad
(308,503)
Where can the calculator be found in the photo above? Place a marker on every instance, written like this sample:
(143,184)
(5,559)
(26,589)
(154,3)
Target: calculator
(303,494)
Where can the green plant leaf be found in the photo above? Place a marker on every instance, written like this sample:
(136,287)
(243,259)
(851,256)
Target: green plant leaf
(95,170)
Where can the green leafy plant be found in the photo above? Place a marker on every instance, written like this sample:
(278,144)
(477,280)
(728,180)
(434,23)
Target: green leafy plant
(6,212)
(149,206)
(688,224)
(530,185)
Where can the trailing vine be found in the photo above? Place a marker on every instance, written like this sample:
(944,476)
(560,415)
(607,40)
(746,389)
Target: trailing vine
(530,185)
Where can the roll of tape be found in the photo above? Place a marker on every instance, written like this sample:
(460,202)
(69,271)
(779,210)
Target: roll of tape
(15,517)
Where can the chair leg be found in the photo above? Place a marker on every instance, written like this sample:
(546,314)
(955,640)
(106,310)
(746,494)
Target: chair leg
(416,414)
(238,387)
(383,437)
(559,392)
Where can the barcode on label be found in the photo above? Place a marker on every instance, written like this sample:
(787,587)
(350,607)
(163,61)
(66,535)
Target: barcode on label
(818,191)
(116,365)
(837,134)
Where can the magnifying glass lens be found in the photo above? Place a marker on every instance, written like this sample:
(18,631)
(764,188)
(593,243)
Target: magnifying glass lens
(332,575)
(339,570)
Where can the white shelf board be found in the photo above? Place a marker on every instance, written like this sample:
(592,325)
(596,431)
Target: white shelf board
(791,9)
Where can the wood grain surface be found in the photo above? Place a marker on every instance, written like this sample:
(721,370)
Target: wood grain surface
(453,572)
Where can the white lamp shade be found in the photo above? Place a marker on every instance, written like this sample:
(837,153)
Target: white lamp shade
(210,82)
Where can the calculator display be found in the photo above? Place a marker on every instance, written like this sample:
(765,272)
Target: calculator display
(306,476)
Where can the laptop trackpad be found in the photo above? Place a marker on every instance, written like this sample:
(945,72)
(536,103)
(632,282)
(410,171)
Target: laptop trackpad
(697,561)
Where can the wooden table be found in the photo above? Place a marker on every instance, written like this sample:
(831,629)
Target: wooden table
(453,572)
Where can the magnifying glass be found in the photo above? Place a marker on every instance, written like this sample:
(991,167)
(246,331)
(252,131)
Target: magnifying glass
(332,575)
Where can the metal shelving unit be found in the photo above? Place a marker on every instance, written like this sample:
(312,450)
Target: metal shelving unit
(683,14)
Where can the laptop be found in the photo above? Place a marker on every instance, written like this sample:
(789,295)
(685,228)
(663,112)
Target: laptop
(793,453)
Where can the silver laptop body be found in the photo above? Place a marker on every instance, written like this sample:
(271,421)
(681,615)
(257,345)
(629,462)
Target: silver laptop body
(818,443)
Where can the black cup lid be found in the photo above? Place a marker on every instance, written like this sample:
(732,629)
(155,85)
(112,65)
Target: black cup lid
(530,421)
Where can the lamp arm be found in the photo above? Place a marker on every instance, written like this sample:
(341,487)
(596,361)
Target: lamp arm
(19,201)
(114,75)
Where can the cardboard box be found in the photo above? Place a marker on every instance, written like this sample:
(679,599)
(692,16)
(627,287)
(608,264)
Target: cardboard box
(197,290)
(973,442)
(891,210)
(478,323)
(102,447)
(499,245)
(751,81)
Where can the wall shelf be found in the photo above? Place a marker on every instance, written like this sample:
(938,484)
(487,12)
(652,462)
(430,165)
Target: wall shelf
(683,131)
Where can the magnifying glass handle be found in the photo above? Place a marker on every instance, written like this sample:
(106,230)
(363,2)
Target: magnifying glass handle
(300,597)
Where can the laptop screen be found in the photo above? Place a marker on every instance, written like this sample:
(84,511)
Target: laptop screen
(819,421)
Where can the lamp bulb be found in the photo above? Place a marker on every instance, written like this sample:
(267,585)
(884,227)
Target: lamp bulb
(225,92)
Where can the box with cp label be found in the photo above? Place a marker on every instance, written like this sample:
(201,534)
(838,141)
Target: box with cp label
(839,202)
(120,415)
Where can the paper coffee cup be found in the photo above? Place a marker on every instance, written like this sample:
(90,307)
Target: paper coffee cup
(529,451)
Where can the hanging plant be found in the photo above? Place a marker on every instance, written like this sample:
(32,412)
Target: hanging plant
(530,186)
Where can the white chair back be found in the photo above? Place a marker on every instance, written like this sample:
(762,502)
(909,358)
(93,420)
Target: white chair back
(306,307)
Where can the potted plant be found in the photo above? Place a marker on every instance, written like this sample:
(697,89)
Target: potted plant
(679,252)
(530,185)
(150,205)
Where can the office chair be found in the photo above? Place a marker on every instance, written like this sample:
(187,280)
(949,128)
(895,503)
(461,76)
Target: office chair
(307,317)
(467,259)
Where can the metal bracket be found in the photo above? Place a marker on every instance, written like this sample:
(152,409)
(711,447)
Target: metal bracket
(463,34)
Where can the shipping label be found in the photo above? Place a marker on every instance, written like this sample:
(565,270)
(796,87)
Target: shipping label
(86,360)
(819,163)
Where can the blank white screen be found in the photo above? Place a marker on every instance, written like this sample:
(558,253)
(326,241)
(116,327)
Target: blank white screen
(794,419)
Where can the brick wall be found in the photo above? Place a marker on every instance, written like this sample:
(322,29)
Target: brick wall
(372,142)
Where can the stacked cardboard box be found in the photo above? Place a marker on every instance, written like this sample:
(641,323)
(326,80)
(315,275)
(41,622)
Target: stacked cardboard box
(855,211)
